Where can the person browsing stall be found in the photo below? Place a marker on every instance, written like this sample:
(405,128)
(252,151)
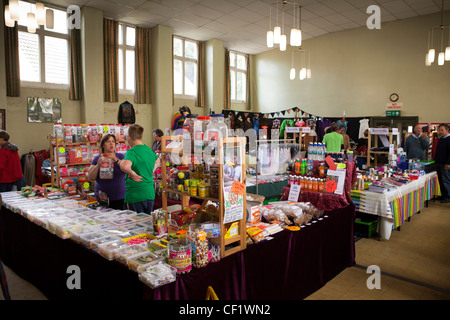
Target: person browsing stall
(11,176)
(417,144)
(157,134)
(139,164)
(442,159)
(110,190)
(342,130)
(333,140)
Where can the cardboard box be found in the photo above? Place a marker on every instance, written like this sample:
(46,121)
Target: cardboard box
(254,207)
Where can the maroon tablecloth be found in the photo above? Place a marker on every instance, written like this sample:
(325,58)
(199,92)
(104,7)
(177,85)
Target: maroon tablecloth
(291,266)
(328,201)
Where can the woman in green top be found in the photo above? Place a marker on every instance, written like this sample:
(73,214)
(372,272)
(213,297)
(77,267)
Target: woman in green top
(334,140)
(139,164)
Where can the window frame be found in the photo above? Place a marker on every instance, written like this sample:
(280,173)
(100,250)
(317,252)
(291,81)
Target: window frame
(42,33)
(124,47)
(183,60)
(236,71)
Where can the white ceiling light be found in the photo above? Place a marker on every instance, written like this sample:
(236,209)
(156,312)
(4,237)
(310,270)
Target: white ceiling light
(40,13)
(31,22)
(275,36)
(8,21)
(14,11)
(442,56)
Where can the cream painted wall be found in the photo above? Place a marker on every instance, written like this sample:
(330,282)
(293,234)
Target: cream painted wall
(357,70)
(34,136)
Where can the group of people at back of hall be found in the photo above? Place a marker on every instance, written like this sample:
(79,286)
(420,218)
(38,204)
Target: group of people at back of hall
(132,184)
(417,145)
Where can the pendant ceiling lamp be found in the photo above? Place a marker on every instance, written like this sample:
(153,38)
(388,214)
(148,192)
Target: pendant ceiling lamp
(277,35)
(444,55)
(37,15)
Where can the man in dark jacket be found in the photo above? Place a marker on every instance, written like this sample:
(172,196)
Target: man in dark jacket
(442,159)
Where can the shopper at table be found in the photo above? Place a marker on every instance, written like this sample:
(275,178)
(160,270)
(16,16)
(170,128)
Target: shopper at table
(342,131)
(157,134)
(442,159)
(108,190)
(333,140)
(11,176)
(417,144)
(139,164)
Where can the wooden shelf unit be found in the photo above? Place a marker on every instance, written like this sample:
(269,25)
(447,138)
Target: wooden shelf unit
(377,153)
(238,241)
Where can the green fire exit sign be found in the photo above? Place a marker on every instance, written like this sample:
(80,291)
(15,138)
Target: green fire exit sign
(393,113)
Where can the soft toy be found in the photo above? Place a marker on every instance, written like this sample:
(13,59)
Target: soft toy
(179,117)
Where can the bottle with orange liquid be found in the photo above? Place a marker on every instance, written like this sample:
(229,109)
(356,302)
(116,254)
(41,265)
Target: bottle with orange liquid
(297,166)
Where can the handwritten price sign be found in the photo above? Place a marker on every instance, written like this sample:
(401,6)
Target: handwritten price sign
(238,188)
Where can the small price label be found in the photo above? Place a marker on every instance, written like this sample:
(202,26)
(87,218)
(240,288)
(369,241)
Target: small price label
(294,192)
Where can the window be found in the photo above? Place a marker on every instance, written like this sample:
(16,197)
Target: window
(44,55)
(127,41)
(185,59)
(238,77)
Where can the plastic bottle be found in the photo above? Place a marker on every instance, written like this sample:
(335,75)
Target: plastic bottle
(112,129)
(311,151)
(321,185)
(188,133)
(103,129)
(200,125)
(297,166)
(322,170)
(303,167)
(85,152)
(315,185)
(125,131)
(107,168)
(119,132)
(68,133)
(58,132)
(77,133)
(84,132)
(212,133)
(93,133)
(60,153)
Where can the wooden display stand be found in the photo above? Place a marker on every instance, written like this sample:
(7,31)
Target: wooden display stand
(375,154)
(237,242)
(55,145)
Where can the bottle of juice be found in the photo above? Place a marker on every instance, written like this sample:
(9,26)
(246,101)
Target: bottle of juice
(321,185)
(297,166)
(322,170)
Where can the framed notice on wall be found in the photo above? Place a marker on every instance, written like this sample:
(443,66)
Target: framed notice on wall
(2,119)
(44,110)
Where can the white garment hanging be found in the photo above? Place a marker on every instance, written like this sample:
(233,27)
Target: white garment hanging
(363,125)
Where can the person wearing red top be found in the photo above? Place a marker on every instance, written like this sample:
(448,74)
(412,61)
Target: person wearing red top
(10,167)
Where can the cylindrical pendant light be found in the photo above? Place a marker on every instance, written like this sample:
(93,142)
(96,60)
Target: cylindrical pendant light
(292,73)
(302,73)
(447,50)
(8,21)
(277,35)
(31,22)
(14,11)
(270,39)
(293,37)
(283,42)
(441,58)
(49,19)
(40,13)
(277,31)
(427,61)
(431,55)
(308,73)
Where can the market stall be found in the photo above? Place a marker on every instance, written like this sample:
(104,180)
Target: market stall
(310,257)
(398,205)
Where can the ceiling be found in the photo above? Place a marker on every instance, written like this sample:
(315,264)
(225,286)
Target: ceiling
(242,24)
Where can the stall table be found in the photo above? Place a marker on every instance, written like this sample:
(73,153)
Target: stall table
(292,265)
(395,207)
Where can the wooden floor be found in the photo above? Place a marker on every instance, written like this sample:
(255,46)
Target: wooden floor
(414,264)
